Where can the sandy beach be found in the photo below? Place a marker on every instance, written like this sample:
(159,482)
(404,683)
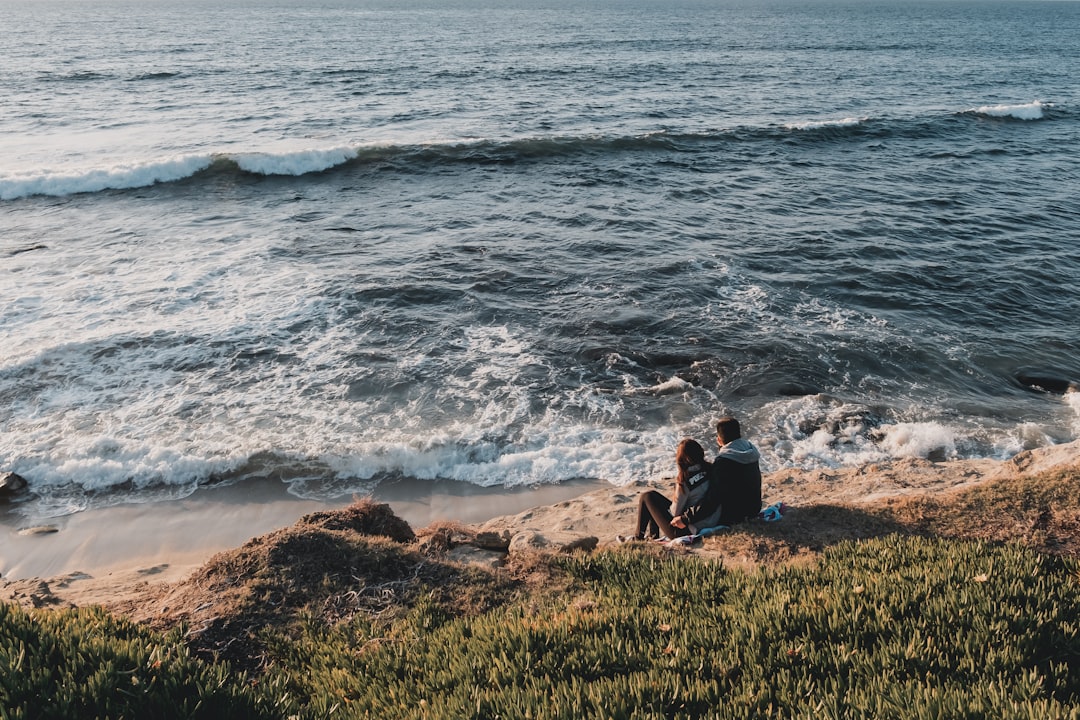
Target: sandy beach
(101,554)
(109,555)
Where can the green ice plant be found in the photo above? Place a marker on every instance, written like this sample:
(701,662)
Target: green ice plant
(87,664)
(888,628)
(891,628)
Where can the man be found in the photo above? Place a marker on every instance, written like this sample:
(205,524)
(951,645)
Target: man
(734,481)
(736,473)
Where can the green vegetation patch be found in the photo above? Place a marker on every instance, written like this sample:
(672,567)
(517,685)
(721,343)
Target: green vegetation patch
(87,664)
(894,627)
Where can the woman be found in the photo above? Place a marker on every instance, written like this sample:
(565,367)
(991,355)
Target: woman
(658,516)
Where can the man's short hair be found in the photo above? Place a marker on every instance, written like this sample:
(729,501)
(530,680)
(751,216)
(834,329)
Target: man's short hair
(728,428)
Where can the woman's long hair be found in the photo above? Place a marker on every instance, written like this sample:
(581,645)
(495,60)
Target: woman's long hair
(690,458)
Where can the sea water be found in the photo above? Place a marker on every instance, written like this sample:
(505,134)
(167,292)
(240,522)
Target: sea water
(518,242)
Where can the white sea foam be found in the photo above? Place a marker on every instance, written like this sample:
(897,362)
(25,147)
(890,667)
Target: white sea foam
(556,454)
(819,124)
(1028,111)
(113,177)
(1028,436)
(299,162)
(671,386)
(482,422)
(207,373)
(818,430)
(484,425)
(853,445)
(1072,400)
(919,440)
(143,174)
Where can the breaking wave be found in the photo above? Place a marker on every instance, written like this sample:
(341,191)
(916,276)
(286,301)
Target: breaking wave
(1029,111)
(309,161)
(820,124)
(117,177)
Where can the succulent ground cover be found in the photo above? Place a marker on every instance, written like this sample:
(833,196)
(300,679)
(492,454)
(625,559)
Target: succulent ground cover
(964,605)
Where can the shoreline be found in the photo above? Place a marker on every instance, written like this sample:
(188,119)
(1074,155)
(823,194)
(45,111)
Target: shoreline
(111,555)
(162,540)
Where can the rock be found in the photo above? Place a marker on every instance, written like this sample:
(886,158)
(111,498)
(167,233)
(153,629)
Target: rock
(795,389)
(476,556)
(39,530)
(587,544)
(527,540)
(1045,383)
(11,485)
(937,455)
(530,540)
(41,600)
(156,569)
(488,540)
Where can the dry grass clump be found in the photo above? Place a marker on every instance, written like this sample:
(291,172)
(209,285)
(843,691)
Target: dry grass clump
(443,536)
(1041,511)
(324,566)
(364,517)
(800,537)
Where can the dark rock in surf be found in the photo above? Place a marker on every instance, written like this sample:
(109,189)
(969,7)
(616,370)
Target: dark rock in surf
(861,422)
(1044,383)
(11,486)
(794,389)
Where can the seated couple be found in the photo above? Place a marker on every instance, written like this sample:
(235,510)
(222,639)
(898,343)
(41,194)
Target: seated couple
(723,492)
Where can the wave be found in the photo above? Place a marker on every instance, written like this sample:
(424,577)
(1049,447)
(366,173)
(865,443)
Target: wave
(808,432)
(164,75)
(78,76)
(297,163)
(316,160)
(139,175)
(823,124)
(117,177)
(1029,111)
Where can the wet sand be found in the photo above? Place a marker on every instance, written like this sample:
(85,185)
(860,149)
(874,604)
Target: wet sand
(175,536)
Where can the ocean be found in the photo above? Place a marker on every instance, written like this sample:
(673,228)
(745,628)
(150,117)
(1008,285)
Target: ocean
(340,243)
